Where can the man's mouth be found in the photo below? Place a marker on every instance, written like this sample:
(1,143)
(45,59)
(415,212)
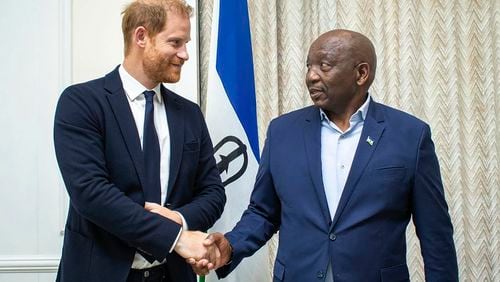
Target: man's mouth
(315,92)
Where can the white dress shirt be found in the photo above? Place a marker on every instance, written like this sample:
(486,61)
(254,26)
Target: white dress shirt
(134,91)
(337,153)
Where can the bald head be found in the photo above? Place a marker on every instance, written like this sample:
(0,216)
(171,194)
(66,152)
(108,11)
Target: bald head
(340,69)
(350,45)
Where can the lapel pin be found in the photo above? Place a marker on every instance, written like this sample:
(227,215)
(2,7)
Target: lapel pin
(369,141)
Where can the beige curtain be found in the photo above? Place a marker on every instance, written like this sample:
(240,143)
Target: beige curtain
(438,60)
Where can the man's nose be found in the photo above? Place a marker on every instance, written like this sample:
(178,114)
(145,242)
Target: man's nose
(183,53)
(312,75)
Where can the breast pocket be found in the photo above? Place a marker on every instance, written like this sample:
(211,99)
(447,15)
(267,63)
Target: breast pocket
(393,173)
(191,153)
(193,146)
(190,160)
(389,186)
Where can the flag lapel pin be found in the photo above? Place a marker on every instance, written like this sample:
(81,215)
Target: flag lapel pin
(369,141)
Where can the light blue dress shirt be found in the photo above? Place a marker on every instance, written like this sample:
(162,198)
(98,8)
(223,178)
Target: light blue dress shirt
(337,153)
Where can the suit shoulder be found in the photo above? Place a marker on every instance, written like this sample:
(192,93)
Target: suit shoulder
(295,115)
(401,117)
(171,95)
(190,108)
(403,124)
(84,88)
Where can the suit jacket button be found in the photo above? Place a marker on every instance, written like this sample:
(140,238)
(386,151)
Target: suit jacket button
(320,275)
(333,237)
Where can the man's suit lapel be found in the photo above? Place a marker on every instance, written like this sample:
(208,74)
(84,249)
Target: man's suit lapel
(372,130)
(176,130)
(121,109)
(312,141)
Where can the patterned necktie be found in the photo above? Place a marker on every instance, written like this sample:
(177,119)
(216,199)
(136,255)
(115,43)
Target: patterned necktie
(151,150)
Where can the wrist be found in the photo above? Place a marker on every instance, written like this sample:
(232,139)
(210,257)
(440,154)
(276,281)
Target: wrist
(230,255)
(176,218)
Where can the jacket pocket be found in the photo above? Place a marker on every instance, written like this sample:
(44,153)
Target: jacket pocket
(279,271)
(395,273)
(395,173)
(193,146)
(76,257)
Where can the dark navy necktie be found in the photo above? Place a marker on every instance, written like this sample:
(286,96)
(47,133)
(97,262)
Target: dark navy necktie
(151,150)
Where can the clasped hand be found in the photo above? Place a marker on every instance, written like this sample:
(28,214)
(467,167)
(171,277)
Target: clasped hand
(218,247)
(202,251)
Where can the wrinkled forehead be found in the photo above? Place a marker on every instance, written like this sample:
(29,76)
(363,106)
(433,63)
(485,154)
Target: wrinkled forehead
(329,47)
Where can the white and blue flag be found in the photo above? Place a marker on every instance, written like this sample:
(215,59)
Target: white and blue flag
(232,121)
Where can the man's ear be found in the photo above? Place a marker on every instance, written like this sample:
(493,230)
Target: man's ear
(140,36)
(363,73)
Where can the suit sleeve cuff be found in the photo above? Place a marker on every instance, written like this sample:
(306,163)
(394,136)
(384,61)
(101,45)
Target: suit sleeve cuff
(175,241)
(184,227)
(184,223)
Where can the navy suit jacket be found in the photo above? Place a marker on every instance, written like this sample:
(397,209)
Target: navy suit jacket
(391,180)
(100,158)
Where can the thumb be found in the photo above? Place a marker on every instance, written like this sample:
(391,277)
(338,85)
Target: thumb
(210,240)
(216,238)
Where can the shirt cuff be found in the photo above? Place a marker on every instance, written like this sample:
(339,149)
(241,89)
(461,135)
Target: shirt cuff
(184,227)
(184,223)
(175,242)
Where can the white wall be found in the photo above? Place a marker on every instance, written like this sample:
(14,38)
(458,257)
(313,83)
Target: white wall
(48,45)
(32,74)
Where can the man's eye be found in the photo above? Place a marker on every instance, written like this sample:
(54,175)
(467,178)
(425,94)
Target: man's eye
(325,66)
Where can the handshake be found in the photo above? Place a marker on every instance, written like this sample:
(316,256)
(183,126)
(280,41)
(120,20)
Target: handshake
(202,251)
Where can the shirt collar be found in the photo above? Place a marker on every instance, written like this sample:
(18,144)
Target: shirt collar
(362,111)
(133,88)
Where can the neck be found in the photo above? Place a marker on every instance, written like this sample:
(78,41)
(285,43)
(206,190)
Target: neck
(134,67)
(342,120)
(342,117)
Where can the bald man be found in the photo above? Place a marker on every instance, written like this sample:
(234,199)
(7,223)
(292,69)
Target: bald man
(341,180)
